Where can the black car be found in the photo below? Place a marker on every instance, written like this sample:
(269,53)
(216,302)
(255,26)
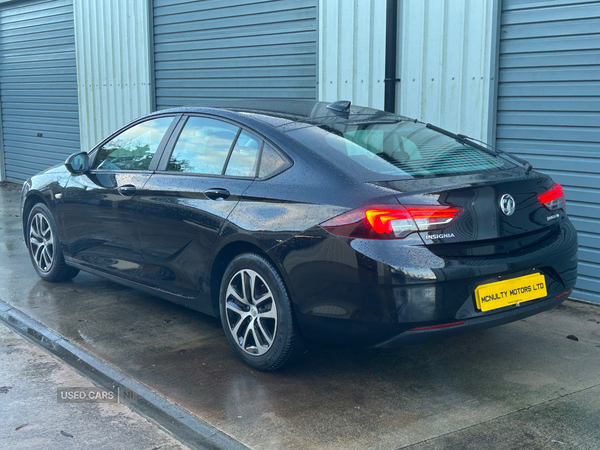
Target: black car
(307,220)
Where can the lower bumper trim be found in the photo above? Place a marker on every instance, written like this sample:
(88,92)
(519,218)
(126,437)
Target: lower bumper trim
(421,335)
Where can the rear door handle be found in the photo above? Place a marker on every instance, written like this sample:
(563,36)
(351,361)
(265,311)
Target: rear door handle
(217,193)
(126,190)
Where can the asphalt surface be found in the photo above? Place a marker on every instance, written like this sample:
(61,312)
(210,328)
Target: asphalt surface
(522,385)
(32,418)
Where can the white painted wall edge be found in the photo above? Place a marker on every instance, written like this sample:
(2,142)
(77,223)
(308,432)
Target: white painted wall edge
(351,51)
(445,62)
(114,73)
(2,172)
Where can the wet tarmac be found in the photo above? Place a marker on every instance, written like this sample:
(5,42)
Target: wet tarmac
(33,419)
(515,386)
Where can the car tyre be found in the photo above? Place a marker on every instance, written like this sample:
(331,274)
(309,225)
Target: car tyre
(44,246)
(256,314)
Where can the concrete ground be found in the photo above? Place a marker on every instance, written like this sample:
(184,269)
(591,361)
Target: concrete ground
(522,385)
(33,419)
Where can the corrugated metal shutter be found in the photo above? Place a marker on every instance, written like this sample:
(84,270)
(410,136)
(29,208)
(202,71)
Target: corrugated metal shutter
(38,86)
(549,108)
(234,49)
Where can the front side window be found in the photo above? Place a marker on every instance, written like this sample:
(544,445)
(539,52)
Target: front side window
(203,146)
(134,148)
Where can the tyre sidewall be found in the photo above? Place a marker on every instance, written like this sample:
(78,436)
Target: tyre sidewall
(285,325)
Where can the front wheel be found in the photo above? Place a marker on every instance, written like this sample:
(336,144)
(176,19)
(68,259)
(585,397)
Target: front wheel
(256,313)
(44,246)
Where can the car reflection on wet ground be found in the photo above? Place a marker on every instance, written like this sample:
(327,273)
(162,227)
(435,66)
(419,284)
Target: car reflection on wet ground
(520,385)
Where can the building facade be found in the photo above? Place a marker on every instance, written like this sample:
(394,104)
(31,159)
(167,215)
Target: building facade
(523,75)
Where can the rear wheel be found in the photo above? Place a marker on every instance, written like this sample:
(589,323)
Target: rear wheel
(256,313)
(44,246)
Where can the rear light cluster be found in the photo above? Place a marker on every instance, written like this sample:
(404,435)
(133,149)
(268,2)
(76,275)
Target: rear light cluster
(554,198)
(391,222)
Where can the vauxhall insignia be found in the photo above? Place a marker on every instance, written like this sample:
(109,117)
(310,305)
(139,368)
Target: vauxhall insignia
(507,204)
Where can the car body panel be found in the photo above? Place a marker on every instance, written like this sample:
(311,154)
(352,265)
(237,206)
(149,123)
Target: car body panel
(47,186)
(101,224)
(179,227)
(479,198)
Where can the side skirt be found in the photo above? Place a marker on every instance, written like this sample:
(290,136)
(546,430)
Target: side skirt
(200,303)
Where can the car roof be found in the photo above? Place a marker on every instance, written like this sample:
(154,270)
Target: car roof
(287,114)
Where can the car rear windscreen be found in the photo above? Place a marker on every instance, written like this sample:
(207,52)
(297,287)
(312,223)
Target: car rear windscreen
(397,149)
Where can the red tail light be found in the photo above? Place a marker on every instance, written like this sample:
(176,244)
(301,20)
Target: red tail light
(554,198)
(390,222)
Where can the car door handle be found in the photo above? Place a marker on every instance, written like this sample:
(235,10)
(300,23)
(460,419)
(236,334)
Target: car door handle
(217,193)
(126,190)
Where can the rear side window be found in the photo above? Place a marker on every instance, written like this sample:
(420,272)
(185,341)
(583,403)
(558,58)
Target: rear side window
(399,150)
(203,146)
(271,162)
(244,156)
(134,148)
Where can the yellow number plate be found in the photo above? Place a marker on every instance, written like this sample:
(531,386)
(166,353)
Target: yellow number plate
(510,292)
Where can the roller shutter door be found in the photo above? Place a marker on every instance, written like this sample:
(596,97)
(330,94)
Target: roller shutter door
(219,50)
(38,86)
(549,108)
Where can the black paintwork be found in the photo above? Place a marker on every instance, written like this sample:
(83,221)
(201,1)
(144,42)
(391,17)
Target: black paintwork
(172,234)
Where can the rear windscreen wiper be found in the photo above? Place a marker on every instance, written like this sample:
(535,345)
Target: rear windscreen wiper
(477,144)
(461,138)
(374,122)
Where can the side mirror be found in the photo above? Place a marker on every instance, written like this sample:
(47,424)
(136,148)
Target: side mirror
(78,163)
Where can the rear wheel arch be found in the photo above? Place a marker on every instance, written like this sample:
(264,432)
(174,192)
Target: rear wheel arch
(224,256)
(220,263)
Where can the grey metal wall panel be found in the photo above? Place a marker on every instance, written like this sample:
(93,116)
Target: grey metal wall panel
(38,86)
(549,108)
(206,52)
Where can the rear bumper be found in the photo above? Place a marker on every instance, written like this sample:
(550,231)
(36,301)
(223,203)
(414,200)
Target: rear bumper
(372,293)
(478,323)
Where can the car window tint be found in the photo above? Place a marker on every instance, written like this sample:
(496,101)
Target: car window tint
(402,149)
(242,162)
(420,151)
(134,148)
(203,146)
(270,162)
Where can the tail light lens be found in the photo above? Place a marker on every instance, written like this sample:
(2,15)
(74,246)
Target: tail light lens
(554,198)
(391,222)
